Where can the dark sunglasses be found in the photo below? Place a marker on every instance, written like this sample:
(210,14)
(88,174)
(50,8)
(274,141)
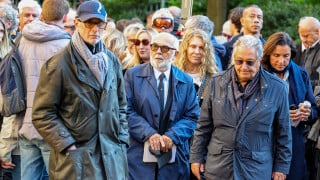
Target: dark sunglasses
(248,63)
(163,49)
(90,24)
(145,42)
(162,22)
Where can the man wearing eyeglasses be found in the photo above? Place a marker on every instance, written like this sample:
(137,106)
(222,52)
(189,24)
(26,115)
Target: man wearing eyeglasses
(80,104)
(244,129)
(162,114)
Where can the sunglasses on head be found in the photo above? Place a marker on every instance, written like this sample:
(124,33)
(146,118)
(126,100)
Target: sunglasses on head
(162,22)
(145,42)
(248,63)
(163,49)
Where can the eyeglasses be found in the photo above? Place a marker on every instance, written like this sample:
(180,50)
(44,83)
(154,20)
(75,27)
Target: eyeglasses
(164,49)
(145,42)
(90,24)
(162,22)
(248,63)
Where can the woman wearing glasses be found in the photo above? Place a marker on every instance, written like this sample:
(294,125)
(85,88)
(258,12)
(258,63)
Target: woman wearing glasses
(196,59)
(278,52)
(141,48)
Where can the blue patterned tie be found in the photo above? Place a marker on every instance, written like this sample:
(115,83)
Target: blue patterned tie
(161,90)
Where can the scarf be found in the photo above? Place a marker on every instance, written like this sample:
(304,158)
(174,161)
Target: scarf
(297,89)
(242,95)
(97,63)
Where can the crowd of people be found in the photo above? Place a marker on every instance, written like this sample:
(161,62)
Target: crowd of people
(160,100)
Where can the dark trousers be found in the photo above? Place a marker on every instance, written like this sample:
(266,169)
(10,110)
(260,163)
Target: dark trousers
(12,174)
(312,159)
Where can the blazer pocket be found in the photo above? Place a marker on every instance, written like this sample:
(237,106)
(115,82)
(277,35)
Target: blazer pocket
(260,156)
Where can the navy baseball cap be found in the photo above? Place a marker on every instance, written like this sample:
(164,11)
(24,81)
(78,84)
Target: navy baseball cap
(91,9)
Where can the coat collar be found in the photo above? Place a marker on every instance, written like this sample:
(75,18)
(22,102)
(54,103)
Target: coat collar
(147,71)
(82,70)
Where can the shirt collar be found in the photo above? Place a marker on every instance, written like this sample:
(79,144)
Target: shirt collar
(157,73)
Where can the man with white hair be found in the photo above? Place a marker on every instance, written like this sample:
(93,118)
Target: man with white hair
(28,11)
(244,129)
(308,56)
(162,119)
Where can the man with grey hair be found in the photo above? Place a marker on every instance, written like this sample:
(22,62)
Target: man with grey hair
(244,129)
(252,21)
(29,10)
(205,24)
(308,56)
(10,17)
(162,119)
(308,52)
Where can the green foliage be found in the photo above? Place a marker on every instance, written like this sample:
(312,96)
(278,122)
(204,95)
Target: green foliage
(285,16)
(119,9)
(128,9)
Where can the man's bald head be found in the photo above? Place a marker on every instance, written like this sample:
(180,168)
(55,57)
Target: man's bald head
(308,29)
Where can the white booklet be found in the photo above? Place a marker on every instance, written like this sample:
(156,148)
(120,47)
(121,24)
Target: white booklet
(150,158)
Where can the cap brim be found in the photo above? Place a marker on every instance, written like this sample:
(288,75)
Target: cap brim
(85,17)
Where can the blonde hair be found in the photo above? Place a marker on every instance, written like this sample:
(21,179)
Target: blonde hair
(5,44)
(136,60)
(208,62)
(115,41)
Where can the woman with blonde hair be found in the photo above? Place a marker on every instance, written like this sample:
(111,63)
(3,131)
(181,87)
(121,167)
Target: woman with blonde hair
(196,58)
(115,42)
(142,48)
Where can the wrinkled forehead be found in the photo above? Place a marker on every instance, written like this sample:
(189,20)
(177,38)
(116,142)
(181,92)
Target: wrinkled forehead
(163,40)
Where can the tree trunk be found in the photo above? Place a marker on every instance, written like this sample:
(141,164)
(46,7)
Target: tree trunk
(217,12)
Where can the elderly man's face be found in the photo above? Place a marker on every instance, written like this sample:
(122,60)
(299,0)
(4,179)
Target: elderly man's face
(308,35)
(245,63)
(91,30)
(162,52)
(252,20)
(27,15)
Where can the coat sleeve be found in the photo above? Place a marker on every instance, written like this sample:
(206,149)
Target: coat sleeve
(124,130)
(140,129)
(9,136)
(203,132)
(183,128)
(46,104)
(310,97)
(282,135)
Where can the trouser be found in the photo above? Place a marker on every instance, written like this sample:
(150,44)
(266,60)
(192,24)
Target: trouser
(312,159)
(34,159)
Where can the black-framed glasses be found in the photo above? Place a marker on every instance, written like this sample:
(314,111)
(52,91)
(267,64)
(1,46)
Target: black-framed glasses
(145,42)
(163,49)
(90,24)
(248,63)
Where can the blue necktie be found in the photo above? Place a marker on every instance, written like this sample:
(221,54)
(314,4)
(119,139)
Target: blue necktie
(161,90)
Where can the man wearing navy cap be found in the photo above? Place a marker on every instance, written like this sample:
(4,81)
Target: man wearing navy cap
(80,104)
